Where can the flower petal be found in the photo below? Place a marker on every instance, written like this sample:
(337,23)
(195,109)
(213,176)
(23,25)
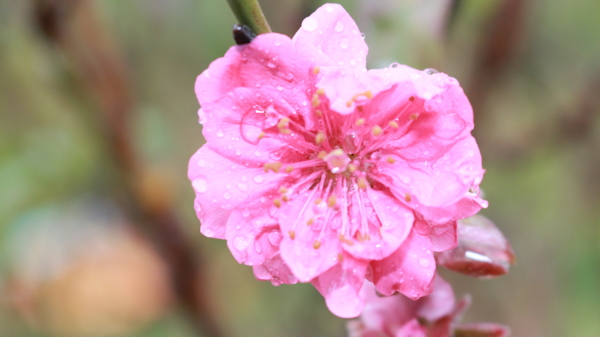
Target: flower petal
(439,303)
(222,185)
(274,269)
(409,270)
(332,32)
(389,224)
(308,250)
(340,286)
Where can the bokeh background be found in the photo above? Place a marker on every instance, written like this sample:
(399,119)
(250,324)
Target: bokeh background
(98,119)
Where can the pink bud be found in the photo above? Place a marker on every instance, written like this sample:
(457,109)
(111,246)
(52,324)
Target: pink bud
(482,250)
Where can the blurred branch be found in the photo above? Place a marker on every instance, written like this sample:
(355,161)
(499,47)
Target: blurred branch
(496,49)
(249,13)
(97,65)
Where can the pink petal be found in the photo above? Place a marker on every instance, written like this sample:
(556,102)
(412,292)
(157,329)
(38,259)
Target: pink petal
(482,250)
(248,232)
(412,329)
(390,222)
(308,250)
(222,185)
(331,31)
(409,270)
(340,286)
(437,304)
(274,270)
(437,182)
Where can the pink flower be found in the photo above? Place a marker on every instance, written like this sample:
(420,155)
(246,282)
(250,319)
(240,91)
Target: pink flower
(436,315)
(317,170)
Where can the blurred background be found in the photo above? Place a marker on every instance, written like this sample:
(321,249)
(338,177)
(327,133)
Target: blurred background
(98,235)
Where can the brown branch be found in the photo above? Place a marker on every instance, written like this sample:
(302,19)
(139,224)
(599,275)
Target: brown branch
(72,25)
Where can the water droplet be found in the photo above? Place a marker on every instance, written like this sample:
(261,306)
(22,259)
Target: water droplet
(310,24)
(424,262)
(271,65)
(337,161)
(329,8)
(394,65)
(258,179)
(257,153)
(226,195)
(351,141)
(220,133)
(201,116)
(275,237)
(277,43)
(344,43)
(289,76)
(376,155)
(238,152)
(242,187)
(339,26)
(245,213)
(280,87)
(240,242)
(200,185)
(201,162)
(258,247)
(363,35)
(430,71)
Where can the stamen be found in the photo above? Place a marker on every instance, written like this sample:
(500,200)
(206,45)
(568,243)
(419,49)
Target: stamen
(319,113)
(275,166)
(316,70)
(321,154)
(349,104)
(316,244)
(411,98)
(407,197)
(414,116)
(261,135)
(362,183)
(352,168)
(283,190)
(283,123)
(320,91)
(289,169)
(360,122)
(376,131)
(318,201)
(285,198)
(391,160)
(342,238)
(310,221)
(331,201)
(277,202)
(394,124)
(316,101)
(292,235)
(320,138)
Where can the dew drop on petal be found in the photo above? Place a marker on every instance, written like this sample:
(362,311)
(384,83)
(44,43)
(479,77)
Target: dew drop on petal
(242,187)
(220,133)
(344,43)
(280,87)
(226,195)
(430,71)
(245,213)
(258,179)
(238,152)
(339,26)
(240,242)
(201,116)
(258,247)
(275,237)
(363,35)
(271,65)
(200,185)
(310,24)
(201,162)
(424,262)
(277,43)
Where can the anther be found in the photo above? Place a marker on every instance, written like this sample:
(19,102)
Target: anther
(340,257)
(318,201)
(319,113)
(289,169)
(320,91)
(407,197)
(349,104)
(277,202)
(321,154)
(316,70)
(369,94)
(352,168)
(391,160)
(319,138)
(331,201)
(362,183)
(394,124)
(283,190)
(315,101)
(274,166)
(292,235)
(285,131)
(283,123)
(285,198)
(360,122)
(376,131)
(411,98)
(414,116)
(316,245)
(342,238)
(261,135)
(310,221)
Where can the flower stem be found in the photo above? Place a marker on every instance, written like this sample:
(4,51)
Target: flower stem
(248,13)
